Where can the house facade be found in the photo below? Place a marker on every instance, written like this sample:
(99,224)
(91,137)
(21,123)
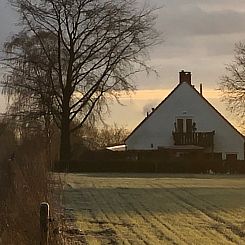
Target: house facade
(185,120)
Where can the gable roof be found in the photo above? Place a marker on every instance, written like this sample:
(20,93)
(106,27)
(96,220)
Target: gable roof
(206,101)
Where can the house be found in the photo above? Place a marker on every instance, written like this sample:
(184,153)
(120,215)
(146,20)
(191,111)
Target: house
(186,121)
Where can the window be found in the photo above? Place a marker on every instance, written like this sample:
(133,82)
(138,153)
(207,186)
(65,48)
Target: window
(180,125)
(231,156)
(184,125)
(189,125)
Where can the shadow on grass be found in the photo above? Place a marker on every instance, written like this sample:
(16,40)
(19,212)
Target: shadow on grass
(160,175)
(155,200)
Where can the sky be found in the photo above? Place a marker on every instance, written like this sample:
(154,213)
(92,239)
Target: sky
(199,36)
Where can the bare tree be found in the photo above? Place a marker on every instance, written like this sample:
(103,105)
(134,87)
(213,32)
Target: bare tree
(100,138)
(233,84)
(74,55)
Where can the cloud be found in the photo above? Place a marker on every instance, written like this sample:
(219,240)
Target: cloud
(157,95)
(195,21)
(199,37)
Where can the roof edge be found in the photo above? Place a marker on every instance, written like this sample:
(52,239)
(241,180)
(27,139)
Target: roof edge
(146,118)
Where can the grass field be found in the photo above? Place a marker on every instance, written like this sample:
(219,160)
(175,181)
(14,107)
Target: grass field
(157,209)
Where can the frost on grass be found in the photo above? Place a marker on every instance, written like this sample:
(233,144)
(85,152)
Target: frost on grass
(157,209)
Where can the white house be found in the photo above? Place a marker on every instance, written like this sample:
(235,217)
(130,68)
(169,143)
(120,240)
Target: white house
(186,120)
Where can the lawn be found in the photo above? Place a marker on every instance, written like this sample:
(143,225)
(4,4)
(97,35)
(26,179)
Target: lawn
(156,209)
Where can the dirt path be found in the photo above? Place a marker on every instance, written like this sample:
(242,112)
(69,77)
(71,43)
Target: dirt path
(156,209)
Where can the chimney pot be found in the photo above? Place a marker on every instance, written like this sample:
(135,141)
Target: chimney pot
(185,76)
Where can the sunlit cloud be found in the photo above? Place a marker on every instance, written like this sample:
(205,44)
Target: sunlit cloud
(146,94)
(160,94)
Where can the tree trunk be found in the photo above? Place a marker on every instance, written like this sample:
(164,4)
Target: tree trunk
(65,144)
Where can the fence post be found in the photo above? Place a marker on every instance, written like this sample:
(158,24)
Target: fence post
(44,223)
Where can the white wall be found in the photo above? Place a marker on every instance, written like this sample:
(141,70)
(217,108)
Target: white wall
(157,128)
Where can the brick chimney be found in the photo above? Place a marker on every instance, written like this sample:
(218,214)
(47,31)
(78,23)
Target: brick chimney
(185,76)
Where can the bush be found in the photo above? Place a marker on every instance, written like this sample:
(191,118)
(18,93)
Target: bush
(150,161)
